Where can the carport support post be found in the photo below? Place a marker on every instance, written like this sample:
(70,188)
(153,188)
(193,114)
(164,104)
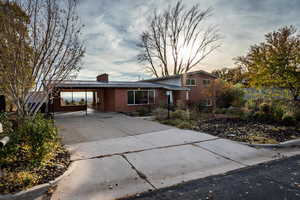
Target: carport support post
(168,105)
(85,103)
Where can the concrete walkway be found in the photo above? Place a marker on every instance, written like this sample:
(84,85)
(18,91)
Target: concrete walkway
(112,168)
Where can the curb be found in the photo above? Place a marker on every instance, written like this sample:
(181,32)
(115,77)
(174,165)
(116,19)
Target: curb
(37,190)
(287,144)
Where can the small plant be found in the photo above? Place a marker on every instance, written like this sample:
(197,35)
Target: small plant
(265,108)
(297,115)
(185,125)
(259,115)
(277,111)
(235,111)
(7,125)
(143,111)
(172,122)
(220,110)
(251,104)
(181,105)
(288,119)
(194,115)
(180,114)
(160,113)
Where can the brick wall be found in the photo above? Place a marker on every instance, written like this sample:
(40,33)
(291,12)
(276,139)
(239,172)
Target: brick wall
(197,92)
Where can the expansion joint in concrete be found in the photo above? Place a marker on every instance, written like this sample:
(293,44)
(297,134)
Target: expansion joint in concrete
(141,150)
(225,157)
(139,173)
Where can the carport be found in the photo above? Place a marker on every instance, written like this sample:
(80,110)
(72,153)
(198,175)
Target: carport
(112,96)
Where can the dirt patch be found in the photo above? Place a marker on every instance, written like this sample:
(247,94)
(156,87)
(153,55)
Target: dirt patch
(250,131)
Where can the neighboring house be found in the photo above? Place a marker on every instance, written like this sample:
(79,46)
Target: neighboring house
(115,96)
(199,82)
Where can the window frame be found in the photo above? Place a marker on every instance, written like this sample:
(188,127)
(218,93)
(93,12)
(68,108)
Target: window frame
(208,82)
(190,79)
(134,91)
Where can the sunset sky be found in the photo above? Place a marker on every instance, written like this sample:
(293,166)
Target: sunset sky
(112,29)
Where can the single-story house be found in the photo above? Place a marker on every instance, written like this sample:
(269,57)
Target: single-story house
(116,96)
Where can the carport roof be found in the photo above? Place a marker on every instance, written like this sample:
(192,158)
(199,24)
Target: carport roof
(115,84)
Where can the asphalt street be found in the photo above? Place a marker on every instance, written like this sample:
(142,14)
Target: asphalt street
(278,179)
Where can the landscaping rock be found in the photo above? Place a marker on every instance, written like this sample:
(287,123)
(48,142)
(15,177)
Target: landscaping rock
(250,131)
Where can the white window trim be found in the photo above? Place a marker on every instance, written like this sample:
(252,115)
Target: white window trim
(191,85)
(141,91)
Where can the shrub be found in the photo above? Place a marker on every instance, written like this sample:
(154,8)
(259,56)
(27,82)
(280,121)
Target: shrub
(7,125)
(34,142)
(194,115)
(160,113)
(180,114)
(231,97)
(277,110)
(172,122)
(181,105)
(288,119)
(234,111)
(297,111)
(297,115)
(220,110)
(247,115)
(251,104)
(265,108)
(185,125)
(40,135)
(143,111)
(261,116)
(278,113)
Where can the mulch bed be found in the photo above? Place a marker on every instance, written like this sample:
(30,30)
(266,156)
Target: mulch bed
(55,168)
(251,131)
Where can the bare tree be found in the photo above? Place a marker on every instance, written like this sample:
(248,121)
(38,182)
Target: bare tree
(177,40)
(53,32)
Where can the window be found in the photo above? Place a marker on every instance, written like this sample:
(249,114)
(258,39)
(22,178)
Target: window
(190,82)
(206,82)
(75,98)
(130,97)
(141,97)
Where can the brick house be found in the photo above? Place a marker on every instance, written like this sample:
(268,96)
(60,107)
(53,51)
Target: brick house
(116,96)
(197,82)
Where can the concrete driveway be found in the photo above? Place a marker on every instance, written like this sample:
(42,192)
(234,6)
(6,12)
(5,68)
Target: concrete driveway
(77,127)
(115,156)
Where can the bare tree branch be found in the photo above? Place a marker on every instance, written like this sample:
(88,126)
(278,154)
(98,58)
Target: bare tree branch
(177,40)
(52,34)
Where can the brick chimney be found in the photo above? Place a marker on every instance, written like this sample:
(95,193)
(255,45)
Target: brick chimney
(102,78)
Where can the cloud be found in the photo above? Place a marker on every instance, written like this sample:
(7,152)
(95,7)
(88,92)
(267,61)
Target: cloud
(112,29)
